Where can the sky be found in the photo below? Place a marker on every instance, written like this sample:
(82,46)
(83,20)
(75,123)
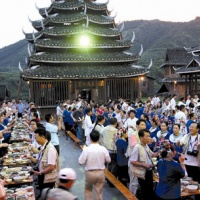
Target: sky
(14,14)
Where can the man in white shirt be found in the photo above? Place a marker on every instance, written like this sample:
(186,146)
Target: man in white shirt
(94,157)
(188,101)
(130,123)
(173,102)
(88,125)
(180,116)
(53,129)
(191,150)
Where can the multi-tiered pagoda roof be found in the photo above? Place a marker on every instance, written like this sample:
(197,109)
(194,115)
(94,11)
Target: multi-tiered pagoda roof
(56,47)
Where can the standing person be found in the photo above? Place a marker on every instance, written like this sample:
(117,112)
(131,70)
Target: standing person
(88,125)
(170,173)
(94,157)
(130,123)
(191,150)
(100,127)
(53,129)
(142,164)
(109,141)
(78,118)
(173,102)
(66,179)
(20,108)
(48,165)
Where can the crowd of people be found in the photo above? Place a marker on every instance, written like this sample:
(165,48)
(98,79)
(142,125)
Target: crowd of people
(128,137)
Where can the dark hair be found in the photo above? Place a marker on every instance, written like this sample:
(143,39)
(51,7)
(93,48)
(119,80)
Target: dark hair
(33,109)
(124,112)
(198,124)
(131,111)
(181,107)
(177,107)
(35,115)
(155,121)
(94,135)
(146,116)
(48,117)
(48,134)
(191,115)
(141,132)
(177,125)
(39,125)
(112,108)
(88,110)
(165,151)
(41,132)
(100,118)
(139,121)
(113,121)
(182,98)
(118,107)
(166,123)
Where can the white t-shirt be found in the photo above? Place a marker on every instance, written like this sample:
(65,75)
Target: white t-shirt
(130,122)
(53,129)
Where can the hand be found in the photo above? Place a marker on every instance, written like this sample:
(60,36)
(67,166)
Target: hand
(181,158)
(148,166)
(178,143)
(2,182)
(36,172)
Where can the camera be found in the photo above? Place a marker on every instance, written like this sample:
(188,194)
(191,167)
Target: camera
(34,169)
(192,153)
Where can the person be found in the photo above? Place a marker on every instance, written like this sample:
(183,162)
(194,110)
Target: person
(133,140)
(2,190)
(173,102)
(153,132)
(100,127)
(175,137)
(109,140)
(53,129)
(143,165)
(191,150)
(78,118)
(88,125)
(94,157)
(20,108)
(162,134)
(130,123)
(122,160)
(48,165)
(66,179)
(170,173)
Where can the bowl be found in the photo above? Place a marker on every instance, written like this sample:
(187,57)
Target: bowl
(191,188)
(19,161)
(8,180)
(29,188)
(9,191)
(183,182)
(18,179)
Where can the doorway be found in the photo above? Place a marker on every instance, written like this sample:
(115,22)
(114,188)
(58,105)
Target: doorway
(86,95)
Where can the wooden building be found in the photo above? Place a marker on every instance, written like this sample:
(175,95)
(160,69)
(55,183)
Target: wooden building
(182,71)
(77,49)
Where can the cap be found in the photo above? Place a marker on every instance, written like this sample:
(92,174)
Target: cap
(67,174)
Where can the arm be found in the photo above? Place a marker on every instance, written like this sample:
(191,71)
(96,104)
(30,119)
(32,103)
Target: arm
(83,156)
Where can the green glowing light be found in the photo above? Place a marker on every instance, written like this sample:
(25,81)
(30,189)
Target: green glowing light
(84,41)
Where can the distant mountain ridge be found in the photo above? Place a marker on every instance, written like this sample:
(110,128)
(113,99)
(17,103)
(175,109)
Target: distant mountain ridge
(155,36)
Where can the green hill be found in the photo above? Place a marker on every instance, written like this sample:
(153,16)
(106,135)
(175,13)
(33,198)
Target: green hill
(155,36)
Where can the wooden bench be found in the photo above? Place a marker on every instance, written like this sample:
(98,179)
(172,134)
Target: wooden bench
(73,137)
(124,190)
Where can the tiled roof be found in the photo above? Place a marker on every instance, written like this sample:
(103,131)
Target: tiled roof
(69,30)
(68,44)
(193,49)
(90,57)
(73,17)
(82,72)
(72,5)
(188,70)
(177,56)
(170,80)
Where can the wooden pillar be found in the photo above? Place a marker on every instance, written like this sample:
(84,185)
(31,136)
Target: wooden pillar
(185,86)
(196,84)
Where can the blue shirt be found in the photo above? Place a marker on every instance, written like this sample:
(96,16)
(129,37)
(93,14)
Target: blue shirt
(20,107)
(121,145)
(170,173)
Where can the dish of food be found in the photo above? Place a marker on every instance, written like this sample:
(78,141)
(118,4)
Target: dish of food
(191,188)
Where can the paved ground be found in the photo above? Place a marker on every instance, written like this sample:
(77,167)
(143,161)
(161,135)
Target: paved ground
(69,158)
